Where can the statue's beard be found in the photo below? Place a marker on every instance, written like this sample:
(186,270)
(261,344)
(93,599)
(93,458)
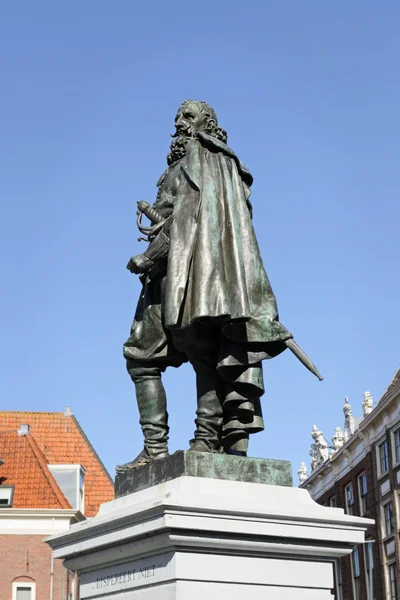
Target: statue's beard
(177,149)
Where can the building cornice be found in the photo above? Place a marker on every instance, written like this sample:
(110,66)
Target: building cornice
(42,513)
(360,436)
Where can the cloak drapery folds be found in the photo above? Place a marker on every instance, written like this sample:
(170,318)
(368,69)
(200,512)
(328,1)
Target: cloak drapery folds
(212,288)
(215,275)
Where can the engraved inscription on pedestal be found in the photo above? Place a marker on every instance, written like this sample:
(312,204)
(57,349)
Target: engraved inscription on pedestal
(125,576)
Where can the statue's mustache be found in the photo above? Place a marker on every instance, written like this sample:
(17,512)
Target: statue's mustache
(181,132)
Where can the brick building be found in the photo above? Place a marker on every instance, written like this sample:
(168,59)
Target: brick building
(360,472)
(50,477)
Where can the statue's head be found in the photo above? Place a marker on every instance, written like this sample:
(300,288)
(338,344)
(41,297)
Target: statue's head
(315,434)
(347,407)
(195,116)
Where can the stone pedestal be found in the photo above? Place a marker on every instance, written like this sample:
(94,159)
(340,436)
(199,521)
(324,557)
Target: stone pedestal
(207,465)
(194,537)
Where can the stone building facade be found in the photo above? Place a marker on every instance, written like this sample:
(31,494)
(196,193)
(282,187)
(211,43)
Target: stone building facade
(362,476)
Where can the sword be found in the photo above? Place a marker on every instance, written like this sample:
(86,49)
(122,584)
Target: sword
(303,358)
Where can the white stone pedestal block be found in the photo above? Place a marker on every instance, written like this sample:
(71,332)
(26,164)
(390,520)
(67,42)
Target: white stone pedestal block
(206,539)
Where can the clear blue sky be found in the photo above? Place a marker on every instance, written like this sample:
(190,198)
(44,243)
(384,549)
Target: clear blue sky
(309,93)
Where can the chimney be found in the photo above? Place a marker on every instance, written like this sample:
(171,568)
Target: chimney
(68,412)
(23,429)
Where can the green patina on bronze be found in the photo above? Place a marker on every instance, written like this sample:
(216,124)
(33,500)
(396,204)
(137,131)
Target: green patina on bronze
(205,298)
(203,464)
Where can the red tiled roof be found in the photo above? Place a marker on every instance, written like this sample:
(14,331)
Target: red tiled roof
(61,440)
(26,468)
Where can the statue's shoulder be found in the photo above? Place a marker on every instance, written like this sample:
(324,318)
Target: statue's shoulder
(215,145)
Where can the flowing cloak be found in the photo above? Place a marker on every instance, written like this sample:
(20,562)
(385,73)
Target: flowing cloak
(215,275)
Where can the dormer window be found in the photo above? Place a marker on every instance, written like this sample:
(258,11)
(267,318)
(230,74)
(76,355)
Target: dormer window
(6,496)
(71,481)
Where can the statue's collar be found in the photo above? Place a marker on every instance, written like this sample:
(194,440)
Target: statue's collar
(216,145)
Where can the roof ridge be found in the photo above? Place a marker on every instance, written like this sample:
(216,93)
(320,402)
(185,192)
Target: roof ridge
(33,412)
(97,457)
(46,471)
(395,381)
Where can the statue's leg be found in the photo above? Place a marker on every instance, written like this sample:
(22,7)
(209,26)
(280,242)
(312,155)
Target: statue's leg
(152,405)
(207,437)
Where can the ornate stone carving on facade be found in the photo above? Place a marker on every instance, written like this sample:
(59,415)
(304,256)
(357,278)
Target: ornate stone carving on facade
(313,454)
(337,440)
(348,420)
(319,450)
(367,404)
(302,472)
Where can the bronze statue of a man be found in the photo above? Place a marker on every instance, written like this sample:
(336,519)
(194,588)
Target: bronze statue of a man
(206,296)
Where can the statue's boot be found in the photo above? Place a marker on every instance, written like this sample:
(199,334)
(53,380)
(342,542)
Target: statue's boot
(237,443)
(207,437)
(152,405)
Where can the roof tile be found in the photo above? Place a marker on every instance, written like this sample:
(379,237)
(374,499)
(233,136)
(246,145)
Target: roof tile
(61,440)
(26,469)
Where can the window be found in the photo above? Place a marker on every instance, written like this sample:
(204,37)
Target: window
(356,573)
(338,580)
(23,591)
(393,582)
(349,498)
(332,501)
(383,458)
(388,517)
(362,488)
(396,453)
(6,496)
(81,490)
(369,566)
(71,481)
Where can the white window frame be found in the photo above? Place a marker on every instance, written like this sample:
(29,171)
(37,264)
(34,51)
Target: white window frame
(81,490)
(23,584)
(389,581)
(395,459)
(397,508)
(332,501)
(360,495)
(348,505)
(9,496)
(378,457)
(383,507)
(366,565)
(338,579)
(356,580)
(80,472)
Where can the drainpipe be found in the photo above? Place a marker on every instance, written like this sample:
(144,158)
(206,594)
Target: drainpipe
(51,572)
(51,576)
(369,548)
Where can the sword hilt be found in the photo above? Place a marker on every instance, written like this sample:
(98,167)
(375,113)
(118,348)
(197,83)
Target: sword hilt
(149,212)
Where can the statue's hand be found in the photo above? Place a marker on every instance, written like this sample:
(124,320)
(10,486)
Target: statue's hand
(139,264)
